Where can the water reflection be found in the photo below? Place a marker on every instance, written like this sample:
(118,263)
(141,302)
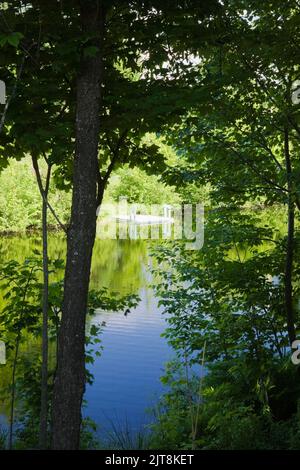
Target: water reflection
(126,376)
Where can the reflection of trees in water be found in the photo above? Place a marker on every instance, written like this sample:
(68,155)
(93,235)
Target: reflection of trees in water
(21,247)
(117,264)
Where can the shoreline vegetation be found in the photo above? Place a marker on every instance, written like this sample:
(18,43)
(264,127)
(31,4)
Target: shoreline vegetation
(22,212)
(20,199)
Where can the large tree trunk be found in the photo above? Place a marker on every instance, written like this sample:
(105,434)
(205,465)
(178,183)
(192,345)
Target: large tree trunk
(290,244)
(70,376)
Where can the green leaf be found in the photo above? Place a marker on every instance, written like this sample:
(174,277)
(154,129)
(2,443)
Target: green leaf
(90,51)
(14,39)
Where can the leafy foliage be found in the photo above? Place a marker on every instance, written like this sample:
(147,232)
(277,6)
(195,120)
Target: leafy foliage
(137,186)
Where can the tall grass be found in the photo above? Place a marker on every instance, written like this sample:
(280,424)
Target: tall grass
(120,436)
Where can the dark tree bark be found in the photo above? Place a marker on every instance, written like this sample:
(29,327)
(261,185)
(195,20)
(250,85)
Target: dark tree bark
(290,244)
(69,382)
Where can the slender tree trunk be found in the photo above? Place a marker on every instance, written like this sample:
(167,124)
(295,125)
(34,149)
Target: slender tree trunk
(44,384)
(43,425)
(69,382)
(290,244)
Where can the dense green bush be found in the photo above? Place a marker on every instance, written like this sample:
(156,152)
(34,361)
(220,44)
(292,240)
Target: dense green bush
(226,303)
(233,413)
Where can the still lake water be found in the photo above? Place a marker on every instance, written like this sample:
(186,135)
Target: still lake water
(127,375)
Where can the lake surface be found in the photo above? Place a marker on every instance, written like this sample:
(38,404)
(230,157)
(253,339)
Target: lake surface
(127,375)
